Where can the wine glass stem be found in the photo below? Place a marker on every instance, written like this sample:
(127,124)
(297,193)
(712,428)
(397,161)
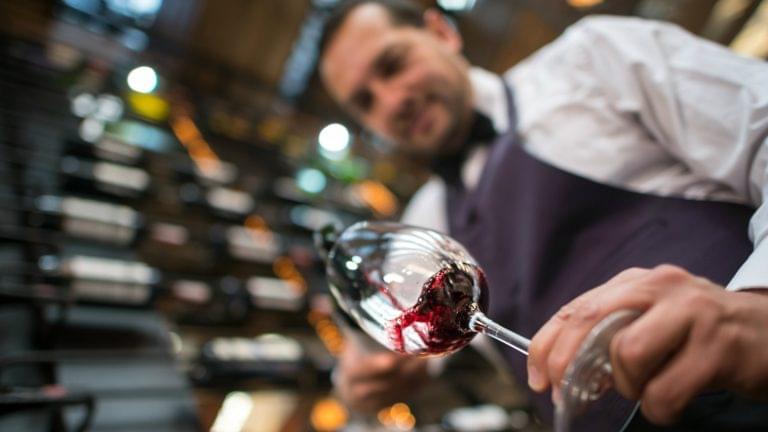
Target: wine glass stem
(482,324)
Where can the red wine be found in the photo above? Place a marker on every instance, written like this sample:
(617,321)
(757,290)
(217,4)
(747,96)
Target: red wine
(442,312)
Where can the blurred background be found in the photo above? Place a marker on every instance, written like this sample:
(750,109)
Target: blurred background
(163,164)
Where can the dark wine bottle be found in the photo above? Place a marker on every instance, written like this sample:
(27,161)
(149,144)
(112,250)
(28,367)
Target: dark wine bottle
(220,173)
(272,356)
(109,149)
(102,280)
(221,202)
(103,178)
(242,243)
(87,219)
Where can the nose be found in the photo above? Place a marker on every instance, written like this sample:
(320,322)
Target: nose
(389,100)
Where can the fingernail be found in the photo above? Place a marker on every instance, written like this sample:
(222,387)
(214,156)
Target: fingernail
(535,379)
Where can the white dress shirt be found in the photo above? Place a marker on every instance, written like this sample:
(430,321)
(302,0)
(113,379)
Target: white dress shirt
(637,104)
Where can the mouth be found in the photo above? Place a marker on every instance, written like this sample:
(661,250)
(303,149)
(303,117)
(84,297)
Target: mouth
(421,123)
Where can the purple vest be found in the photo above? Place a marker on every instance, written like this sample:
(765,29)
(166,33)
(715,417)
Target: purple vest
(544,236)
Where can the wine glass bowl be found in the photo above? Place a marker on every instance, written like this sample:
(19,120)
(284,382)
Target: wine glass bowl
(413,290)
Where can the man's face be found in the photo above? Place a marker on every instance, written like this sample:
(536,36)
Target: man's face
(409,85)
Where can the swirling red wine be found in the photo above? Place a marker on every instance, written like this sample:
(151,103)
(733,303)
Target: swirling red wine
(440,317)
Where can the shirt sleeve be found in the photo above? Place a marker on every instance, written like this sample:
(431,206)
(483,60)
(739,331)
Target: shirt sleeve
(704,104)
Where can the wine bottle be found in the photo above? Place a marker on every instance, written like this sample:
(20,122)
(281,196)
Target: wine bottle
(242,243)
(271,356)
(109,149)
(222,301)
(274,293)
(175,246)
(102,280)
(220,173)
(103,178)
(86,218)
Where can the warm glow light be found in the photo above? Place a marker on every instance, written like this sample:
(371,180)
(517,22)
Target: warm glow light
(378,197)
(405,422)
(285,269)
(398,415)
(199,150)
(143,79)
(256,223)
(584,3)
(149,106)
(328,415)
(399,409)
(327,331)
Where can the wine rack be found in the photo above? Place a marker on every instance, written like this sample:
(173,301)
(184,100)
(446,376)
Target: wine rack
(132,279)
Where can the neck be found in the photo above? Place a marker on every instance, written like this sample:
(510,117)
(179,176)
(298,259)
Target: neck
(480,132)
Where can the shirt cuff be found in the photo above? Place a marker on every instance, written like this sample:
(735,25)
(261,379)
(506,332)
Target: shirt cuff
(754,272)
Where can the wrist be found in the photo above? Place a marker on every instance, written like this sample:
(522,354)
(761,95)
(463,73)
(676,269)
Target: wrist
(750,316)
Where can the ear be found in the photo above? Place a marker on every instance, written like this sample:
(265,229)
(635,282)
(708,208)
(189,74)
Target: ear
(445,32)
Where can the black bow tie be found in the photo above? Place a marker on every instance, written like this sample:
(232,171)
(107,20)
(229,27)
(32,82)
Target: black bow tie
(482,133)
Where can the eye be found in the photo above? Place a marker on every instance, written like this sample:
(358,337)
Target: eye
(390,67)
(391,61)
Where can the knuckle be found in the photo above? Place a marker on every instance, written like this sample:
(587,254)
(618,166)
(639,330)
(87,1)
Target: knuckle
(566,311)
(702,301)
(730,341)
(586,311)
(670,273)
(580,310)
(632,272)
(659,405)
(630,350)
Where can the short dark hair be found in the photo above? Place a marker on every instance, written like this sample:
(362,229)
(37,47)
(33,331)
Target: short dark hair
(401,13)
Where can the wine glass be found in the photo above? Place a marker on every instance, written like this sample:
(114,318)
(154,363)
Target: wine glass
(415,291)
(419,292)
(590,374)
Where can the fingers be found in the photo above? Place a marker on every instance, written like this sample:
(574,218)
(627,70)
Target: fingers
(370,381)
(642,348)
(556,342)
(684,376)
(691,336)
(369,396)
(707,356)
(370,367)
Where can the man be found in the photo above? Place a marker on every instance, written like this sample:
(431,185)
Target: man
(626,151)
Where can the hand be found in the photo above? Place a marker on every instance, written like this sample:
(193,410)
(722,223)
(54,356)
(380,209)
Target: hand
(693,335)
(368,381)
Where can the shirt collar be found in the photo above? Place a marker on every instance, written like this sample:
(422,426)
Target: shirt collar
(488,97)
